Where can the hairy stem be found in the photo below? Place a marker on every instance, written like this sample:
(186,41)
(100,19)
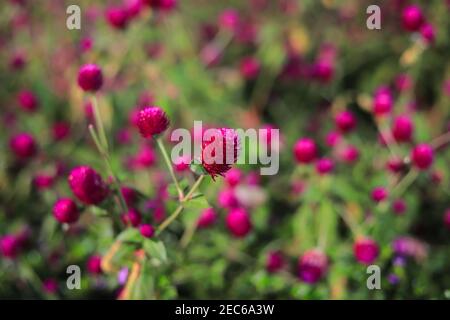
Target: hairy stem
(170,167)
(178,210)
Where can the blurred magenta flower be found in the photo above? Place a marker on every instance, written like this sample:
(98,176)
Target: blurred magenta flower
(238,222)
(90,77)
(87,185)
(65,210)
(366,250)
(312,266)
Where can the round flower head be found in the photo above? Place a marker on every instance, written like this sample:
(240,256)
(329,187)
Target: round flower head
(146,230)
(50,285)
(28,101)
(312,266)
(151,121)
(90,77)
(422,156)
(229,19)
(412,18)
(238,222)
(207,218)
(349,154)
(87,185)
(249,68)
(23,146)
(399,206)
(274,261)
(132,217)
(65,210)
(345,121)
(305,150)
(117,17)
(9,246)
(323,71)
(402,129)
(383,101)
(428,33)
(233,177)
(219,151)
(365,250)
(94,264)
(379,194)
(324,166)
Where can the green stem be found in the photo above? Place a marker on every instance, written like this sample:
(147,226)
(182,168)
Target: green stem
(99,124)
(105,157)
(170,167)
(178,210)
(405,182)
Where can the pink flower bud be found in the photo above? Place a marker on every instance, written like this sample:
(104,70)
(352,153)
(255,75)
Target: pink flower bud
(87,185)
(90,77)
(238,222)
(305,150)
(312,266)
(422,156)
(366,250)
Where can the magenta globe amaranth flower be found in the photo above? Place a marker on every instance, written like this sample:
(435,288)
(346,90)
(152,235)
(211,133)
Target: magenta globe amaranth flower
(227,199)
(90,77)
(412,18)
(50,285)
(207,218)
(366,250)
(9,246)
(274,261)
(345,121)
(399,206)
(152,121)
(147,230)
(383,102)
(28,100)
(379,194)
(402,129)
(87,185)
(324,166)
(249,68)
(94,265)
(323,71)
(219,151)
(238,222)
(305,150)
(229,19)
(23,146)
(132,217)
(428,33)
(349,154)
(233,177)
(117,17)
(65,210)
(422,156)
(312,266)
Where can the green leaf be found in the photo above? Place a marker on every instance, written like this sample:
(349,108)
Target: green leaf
(156,250)
(130,235)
